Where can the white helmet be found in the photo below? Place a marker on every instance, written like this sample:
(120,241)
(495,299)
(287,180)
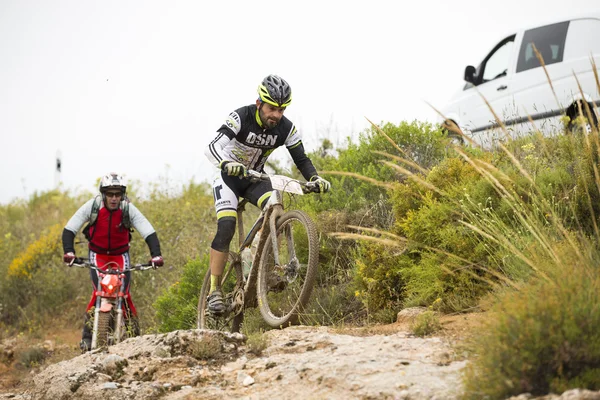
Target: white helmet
(112,180)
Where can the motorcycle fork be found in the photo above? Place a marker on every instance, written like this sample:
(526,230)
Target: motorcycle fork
(96,318)
(119,319)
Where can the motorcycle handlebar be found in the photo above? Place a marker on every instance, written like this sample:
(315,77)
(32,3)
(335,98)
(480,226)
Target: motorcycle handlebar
(254,176)
(85,263)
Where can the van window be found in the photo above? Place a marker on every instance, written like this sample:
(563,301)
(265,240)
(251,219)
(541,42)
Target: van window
(495,64)
(498,62)
(549,41)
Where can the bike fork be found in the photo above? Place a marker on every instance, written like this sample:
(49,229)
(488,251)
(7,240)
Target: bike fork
(273,234)
(290,242)
(277,211)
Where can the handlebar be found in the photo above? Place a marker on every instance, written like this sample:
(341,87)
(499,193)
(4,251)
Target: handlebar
(255,176)
(85,263)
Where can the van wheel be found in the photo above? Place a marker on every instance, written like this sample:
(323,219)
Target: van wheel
(452,132)
(576,125)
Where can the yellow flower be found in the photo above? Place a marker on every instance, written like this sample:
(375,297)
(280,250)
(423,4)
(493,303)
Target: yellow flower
(44,247)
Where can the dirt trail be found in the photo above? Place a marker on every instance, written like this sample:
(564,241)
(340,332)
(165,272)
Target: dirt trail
(378,362)
(299,362)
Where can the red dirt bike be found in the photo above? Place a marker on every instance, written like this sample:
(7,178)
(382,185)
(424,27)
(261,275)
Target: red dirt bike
(109,325)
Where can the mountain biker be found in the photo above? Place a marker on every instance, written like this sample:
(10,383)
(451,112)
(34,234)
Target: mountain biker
(245,141)
(108,241)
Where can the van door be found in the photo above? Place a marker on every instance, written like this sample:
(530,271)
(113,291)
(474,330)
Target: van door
(491,80)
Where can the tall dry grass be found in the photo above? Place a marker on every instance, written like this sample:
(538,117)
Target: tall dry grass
(542,331)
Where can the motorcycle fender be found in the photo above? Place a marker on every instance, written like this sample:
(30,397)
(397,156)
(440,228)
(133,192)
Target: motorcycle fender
(106,306)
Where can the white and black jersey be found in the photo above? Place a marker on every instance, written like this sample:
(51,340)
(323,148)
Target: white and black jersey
(243,139)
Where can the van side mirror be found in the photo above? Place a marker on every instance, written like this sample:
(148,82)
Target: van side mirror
(470,74)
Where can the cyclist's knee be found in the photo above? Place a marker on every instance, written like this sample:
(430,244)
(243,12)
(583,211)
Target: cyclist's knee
(225,232)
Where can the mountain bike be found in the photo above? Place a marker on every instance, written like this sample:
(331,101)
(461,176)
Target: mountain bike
(109,325)
(287,254)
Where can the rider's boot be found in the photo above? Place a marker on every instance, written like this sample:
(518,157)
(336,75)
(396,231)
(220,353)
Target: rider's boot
(86,334)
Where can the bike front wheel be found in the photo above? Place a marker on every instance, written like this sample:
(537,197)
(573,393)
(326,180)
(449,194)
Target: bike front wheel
(284,290)
(233,297)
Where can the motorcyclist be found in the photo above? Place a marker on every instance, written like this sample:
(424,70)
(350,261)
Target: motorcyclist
(108,242)
(245,141)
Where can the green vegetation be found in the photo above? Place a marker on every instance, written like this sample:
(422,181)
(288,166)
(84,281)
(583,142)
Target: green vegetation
(176,307)
(426,324)
(257,343)
(412,220)
(206,348)
(32,357)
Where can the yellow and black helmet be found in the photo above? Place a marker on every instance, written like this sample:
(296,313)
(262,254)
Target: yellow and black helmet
(275,91)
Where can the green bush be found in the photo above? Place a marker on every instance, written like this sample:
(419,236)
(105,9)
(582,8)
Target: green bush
(177,307)
(332,305)
(378,280)
(257,343)
(206,348)
(426,324)
(421,271)
(32,357)
(543,338)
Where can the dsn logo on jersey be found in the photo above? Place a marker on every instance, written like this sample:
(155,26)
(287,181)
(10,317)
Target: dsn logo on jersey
(262,139)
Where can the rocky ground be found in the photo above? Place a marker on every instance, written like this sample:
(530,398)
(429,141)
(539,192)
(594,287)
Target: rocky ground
(299,362)
(296,363)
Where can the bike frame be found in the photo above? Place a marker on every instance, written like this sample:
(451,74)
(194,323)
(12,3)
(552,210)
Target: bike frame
(267,218)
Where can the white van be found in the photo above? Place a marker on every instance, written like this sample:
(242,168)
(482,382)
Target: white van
(512,80)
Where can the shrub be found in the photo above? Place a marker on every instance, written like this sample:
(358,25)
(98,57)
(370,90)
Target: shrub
(543,338)
(37,270)
(32,357)
(332,305)
(206,348)
(378,280)
(426,324)
(46,247)
(177,307)
(257,343)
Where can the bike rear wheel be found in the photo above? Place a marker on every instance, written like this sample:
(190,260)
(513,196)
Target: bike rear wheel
(233,297)
(284,290)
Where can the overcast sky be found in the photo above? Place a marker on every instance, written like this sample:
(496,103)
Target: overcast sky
(140,87)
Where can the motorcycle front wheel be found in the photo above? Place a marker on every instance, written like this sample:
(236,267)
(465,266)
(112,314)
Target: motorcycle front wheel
(104,330)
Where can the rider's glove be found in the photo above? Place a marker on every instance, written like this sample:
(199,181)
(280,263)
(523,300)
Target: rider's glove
(157,261)
(322,184)
(69,258)
(233,168)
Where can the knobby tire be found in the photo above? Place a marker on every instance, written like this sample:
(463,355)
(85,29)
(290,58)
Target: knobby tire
(281,309)
(103,330)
